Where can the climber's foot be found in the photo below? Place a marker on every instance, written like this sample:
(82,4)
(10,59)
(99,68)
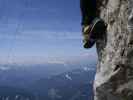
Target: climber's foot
(98,28)
(93,32)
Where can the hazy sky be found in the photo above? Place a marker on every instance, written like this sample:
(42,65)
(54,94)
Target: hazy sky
(37,29)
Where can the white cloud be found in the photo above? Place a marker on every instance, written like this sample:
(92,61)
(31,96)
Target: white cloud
(57,62)
(3,68)
(88,69)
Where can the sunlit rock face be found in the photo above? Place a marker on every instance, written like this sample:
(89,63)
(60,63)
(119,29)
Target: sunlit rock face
(114,77)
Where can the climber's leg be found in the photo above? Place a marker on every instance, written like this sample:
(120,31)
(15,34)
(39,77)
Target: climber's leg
(88,11)
(92,25)
(93,31)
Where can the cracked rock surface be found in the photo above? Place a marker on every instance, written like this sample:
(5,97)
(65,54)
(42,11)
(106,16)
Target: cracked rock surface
(114,76)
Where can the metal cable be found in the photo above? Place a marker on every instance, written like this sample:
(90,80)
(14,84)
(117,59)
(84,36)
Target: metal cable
(11,53)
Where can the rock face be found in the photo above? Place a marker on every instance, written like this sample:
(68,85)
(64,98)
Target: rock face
(114,77)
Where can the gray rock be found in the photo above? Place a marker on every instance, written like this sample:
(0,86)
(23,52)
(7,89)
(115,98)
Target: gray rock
(114,76)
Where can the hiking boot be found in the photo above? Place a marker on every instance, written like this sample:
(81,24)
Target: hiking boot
(93,32)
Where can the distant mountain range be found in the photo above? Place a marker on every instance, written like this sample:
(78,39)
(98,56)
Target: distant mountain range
(23,75)
(24,83)
(73,85)
(11,93)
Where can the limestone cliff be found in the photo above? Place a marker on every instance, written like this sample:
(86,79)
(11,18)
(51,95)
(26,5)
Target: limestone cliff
(114,77)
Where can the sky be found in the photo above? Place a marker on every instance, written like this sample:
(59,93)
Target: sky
(41,30)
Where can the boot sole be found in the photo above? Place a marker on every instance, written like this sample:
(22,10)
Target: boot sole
(98,27)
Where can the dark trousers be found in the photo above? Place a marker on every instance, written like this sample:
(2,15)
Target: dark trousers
(88,11)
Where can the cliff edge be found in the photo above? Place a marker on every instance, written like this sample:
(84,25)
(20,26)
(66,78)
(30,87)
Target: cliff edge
(114,76)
